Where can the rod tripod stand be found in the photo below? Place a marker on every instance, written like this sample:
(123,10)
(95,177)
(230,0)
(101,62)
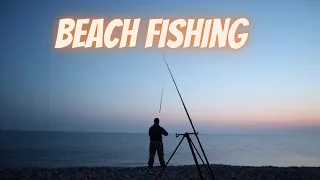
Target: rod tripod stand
(193,149)
(186,135)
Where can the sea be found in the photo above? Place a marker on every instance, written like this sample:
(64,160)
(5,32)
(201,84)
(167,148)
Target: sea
(73,149)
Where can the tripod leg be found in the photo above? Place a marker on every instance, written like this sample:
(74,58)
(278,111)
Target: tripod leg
(170,158)
(194,157)
(205,165)
(205,157)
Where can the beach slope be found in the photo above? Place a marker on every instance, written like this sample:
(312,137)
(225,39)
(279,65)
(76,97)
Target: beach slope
(222,172)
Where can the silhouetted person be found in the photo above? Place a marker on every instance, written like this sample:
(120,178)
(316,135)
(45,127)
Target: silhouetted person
(155,133)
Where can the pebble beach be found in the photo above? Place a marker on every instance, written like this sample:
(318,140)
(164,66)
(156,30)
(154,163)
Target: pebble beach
(222,172)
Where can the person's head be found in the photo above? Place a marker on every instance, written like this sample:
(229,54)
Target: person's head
(156,120)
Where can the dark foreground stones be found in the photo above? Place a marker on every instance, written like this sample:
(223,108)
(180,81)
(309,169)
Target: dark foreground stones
(222,172)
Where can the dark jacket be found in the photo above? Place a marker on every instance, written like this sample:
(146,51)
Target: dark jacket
(156,132)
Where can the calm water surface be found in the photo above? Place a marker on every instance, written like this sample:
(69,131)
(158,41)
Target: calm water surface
(61,149)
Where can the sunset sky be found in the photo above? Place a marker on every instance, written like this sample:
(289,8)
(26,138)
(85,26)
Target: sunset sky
(272,82)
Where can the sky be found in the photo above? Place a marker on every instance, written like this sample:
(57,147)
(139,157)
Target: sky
(271,83)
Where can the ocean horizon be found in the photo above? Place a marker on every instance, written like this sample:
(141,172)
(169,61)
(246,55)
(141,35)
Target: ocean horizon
(74,149)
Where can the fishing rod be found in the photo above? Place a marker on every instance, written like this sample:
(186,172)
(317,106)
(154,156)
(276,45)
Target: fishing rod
(161,98)
(194,130)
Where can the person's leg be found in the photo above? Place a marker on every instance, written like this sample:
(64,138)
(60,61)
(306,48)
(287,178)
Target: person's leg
(152,152)
(161,154)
